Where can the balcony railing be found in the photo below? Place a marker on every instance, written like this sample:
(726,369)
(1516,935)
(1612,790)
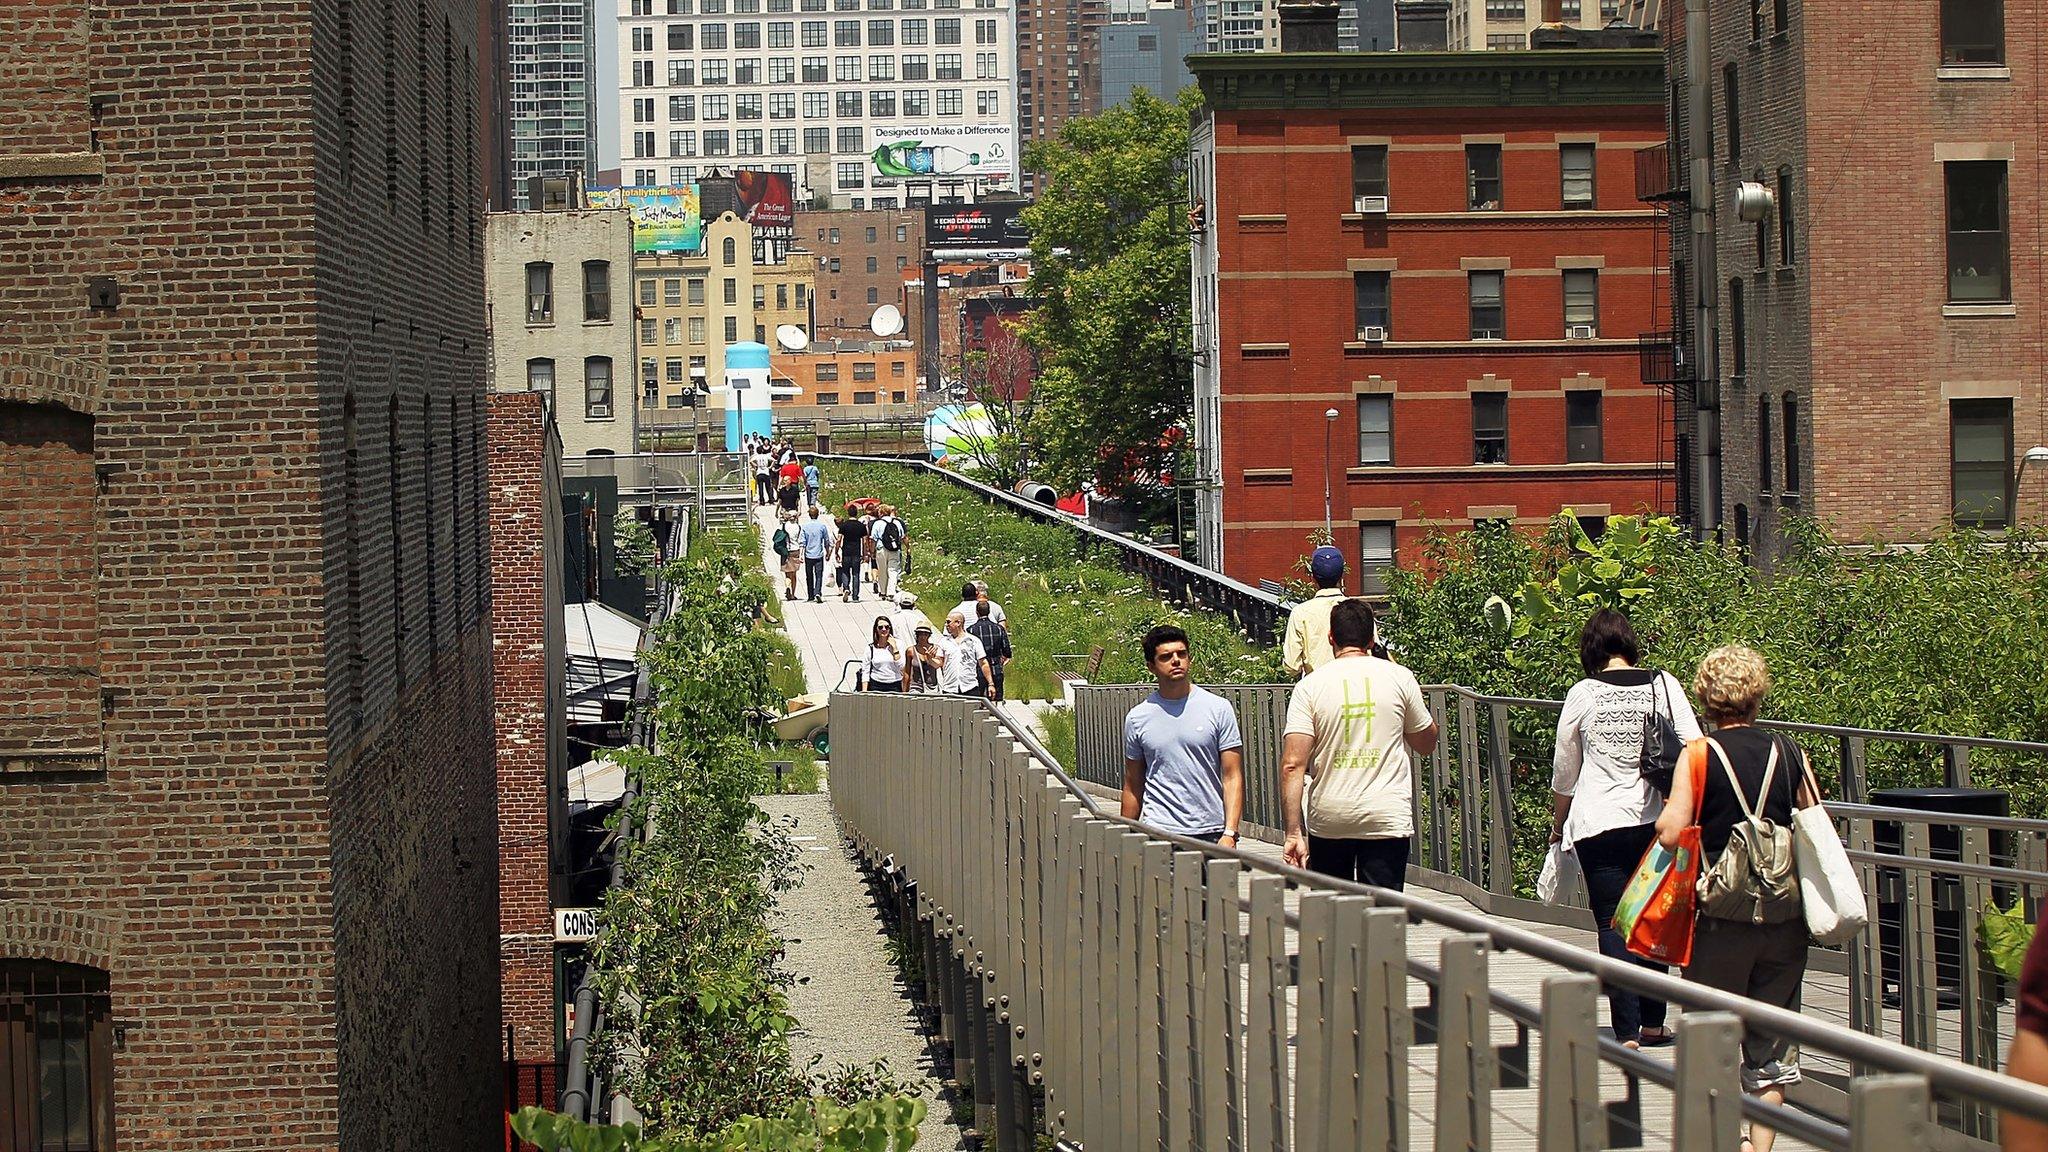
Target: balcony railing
(1666,358)
(1657,174)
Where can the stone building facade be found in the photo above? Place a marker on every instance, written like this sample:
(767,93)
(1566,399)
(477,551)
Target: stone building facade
(562,319)
(246,811)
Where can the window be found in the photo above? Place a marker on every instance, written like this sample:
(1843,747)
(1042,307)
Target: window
(1368,170)
(1482,177)
(814,34)
(782,141)
(1980,470)
(1781,16)
(1506,9)
(949,101)
(817,70)
(864,397)
(1788,245)
(946,31)
(781,297)
(1764,444)
(1489,310)
(816,140)
(643,110)
(540,293)
(647,292)
(874,296)
(1575,166)
(540,375)
(851,175)
(643,73)
(1506,41)
(747,35)
(1582,444)
(671,330)
(1978,263)
(1973,32)
(1375,556)
(1489,427)
(1738,329)
(597,291)
(916,102)
(597,388)
(871,261)
(747,142)
(846,33)
(882,102)
(1369,297)
(847,104)
(680,37)
(781,70)
(713,37)
(1731,104)
(681,73)
(916,67)
(1376,429)
(696,289)
(881,33)
(1790,428)
(782,105)
(987,101)
(914,32)
(781,34)
(902,262)
(56,1056)
(1756,20)
(984,31)
(747,106)
(718,143)
(714,72)
(682,142)
(849,135)
(1581,299)
(732,329)
(715,107)
(696,329)
(947,65)
(828,372)
(732,291)
(863,370)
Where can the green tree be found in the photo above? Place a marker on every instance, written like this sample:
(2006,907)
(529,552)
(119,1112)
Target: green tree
(1109,249)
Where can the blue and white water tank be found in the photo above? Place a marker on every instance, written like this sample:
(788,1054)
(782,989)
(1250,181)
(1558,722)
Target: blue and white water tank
(747,399)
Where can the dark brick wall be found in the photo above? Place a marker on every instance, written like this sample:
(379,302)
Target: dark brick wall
(528,707)
(285,864)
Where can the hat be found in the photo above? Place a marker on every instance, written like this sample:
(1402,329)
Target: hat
(925,627)
(1326,564)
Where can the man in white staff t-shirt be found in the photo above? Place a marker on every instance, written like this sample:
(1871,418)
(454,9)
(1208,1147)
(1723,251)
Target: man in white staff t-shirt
(1350,725)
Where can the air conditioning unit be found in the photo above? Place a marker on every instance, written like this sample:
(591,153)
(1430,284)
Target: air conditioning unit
(1580,332)
(1373,334)
(600,412)
(1370,205)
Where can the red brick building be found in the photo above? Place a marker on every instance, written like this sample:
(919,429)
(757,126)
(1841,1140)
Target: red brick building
(1446,250)
(529,706)
(247,829)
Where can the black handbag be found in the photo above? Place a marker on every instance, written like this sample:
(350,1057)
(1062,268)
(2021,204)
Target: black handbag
(1661,744)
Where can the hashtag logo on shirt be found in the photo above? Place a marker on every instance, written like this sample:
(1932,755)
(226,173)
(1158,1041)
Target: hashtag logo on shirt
(1353,714)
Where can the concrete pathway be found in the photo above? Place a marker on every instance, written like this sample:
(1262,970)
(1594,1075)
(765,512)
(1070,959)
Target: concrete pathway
(849,1005)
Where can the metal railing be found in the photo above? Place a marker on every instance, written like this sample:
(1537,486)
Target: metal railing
(694,478)
(1259,615)
(1162,995)
(1915,974)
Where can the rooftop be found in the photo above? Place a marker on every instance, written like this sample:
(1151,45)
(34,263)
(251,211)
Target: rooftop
(1240,81)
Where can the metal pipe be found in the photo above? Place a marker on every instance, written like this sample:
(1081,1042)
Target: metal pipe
(1699,134)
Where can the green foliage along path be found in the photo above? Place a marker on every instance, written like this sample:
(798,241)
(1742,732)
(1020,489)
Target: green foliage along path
(1055,601)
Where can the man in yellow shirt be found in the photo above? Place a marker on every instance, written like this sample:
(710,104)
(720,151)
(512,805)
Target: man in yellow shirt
(1307,647)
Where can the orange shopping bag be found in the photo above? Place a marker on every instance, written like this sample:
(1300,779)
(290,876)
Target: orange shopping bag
(1655,915)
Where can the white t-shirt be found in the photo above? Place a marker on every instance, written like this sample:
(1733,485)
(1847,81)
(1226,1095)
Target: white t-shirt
(964,655)
(967,611)
(883,666)
(1600,748)
(1360,710)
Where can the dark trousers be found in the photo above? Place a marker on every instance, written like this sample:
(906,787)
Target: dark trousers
(849,577)
(1609,860)
(1381,863)
(814,576)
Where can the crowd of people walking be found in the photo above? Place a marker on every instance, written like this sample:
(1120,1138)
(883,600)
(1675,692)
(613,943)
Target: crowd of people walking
(963,657)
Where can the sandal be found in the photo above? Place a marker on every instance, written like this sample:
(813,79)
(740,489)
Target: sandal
(1656,1037)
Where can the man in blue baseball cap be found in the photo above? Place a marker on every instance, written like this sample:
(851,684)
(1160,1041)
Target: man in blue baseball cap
(1308,624)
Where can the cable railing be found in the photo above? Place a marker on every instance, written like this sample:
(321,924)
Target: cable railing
(1259,615)
(1915,974)
(1121,988)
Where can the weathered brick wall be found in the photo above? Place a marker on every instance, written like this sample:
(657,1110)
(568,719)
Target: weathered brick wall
(49,634)
(285,865)
(528,707)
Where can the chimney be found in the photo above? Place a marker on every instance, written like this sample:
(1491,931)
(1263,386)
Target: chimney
(1308,27)
(1422,25)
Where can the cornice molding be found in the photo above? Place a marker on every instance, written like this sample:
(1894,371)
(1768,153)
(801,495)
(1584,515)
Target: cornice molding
(1251,81)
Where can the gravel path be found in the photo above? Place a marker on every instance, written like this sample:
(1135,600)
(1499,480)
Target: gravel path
(849,1007)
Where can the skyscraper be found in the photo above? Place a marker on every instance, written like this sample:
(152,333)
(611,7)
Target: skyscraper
(551,86)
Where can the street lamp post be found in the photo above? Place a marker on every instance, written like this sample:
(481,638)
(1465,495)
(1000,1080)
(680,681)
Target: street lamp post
(1329,422)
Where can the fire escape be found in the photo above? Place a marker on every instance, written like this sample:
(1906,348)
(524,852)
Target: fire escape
(1666,355)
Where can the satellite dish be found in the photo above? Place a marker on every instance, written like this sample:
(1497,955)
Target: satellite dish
(792,338)
(887,321)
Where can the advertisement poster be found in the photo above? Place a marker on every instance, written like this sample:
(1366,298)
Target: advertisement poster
(664,219)
(989,224)
(767,202)
(986,151)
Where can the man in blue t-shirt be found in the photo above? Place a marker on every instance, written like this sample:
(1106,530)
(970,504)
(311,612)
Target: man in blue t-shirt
(815,534)
(1183,764)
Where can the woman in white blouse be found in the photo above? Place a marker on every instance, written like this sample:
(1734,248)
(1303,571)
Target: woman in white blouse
(1604,811)
(883,665)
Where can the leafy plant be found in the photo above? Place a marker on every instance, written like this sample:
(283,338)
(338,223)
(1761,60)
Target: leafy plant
(881,1123)
(633,542)
(2006,936)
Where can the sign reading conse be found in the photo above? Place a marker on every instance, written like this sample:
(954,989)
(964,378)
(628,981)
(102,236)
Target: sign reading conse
(914,151)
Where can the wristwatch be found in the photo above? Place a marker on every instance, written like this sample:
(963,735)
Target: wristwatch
(1230,832)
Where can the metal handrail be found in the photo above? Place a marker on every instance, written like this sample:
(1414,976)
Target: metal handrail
(1259,614)
(992,949)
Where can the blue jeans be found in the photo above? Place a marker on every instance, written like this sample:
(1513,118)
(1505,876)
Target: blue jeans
(1609,860)
(814,576)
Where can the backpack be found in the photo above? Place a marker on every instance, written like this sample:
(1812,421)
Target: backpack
(892,535)
(1756,878)
(1661,745)
(781,543)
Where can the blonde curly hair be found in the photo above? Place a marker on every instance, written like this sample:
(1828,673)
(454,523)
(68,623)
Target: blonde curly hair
(1732,683)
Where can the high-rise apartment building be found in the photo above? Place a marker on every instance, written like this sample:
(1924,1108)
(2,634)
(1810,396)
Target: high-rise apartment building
(1146,47)
(551,91)
(1506,24)
(865,103)
(1059,52)
(1856,214)
(247,833)
(1254,25)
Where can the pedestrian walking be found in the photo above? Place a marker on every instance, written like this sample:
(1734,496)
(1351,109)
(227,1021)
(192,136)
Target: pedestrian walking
(976,591)
(815,535)
(888,536)
(995,642)
(1307,646)
(884,667)
(813,480)
(787,550)
(853,537)
(764,468)
(1743,777)
(1604,810)
(1183,754)
(1347,784)
(927,661)
(967,671)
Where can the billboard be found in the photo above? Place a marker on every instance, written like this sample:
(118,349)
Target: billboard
(767,202)
(664,219)
(987,151)
(990,224)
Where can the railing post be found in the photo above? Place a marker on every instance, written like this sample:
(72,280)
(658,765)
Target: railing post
(1706,1107)
(1386,1026)
(1955,760)
(1568,1091)
(1464,1046)
(1471,783)
(1265,1108)
(1500,865)
(1313,943)
(1889,1113)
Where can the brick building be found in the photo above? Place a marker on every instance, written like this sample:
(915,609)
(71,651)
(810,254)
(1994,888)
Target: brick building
(871,379)
(1446,251)
(529,706)
(863,258)
(246,797)
(1867,334)
(556,286)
